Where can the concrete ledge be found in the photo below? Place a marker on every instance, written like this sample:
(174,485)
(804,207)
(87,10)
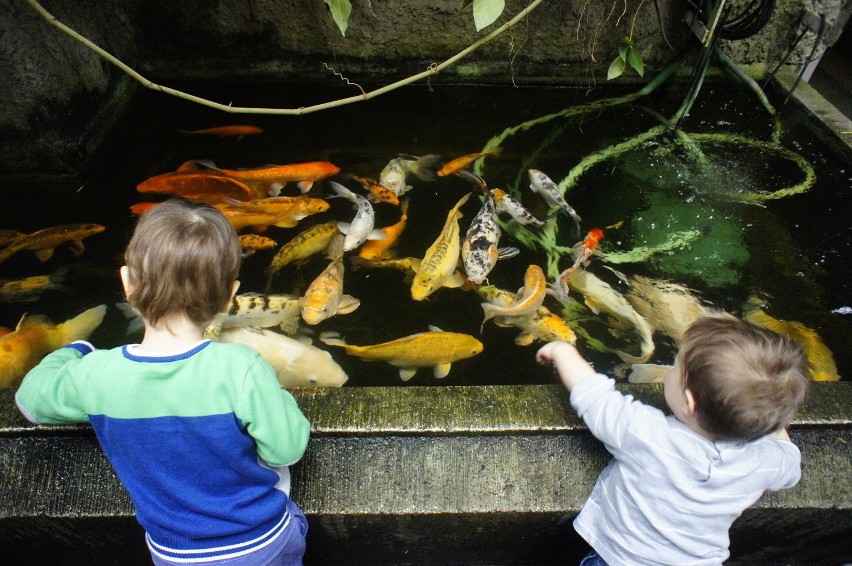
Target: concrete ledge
(423,475)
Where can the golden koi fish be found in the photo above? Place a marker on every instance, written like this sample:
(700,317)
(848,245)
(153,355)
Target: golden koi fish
(9,236)
(312,241)
(259,311)
(821,364)
(532,296)
(668,307)
(393,176)
(437,267)
(282,215)
(35,337)
(436,349)
(324,297)
(188,183)
(297,364)
(541,325)
(28,288)
(43,242)
(251,243)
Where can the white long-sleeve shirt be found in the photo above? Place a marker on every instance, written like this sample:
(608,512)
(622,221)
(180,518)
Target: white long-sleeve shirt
(669,496)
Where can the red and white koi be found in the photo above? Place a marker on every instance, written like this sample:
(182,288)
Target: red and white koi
(584,250)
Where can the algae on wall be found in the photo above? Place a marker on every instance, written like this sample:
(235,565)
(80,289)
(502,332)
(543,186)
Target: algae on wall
(60,95)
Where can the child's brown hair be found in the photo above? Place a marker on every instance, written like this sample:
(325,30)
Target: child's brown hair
(183,258)
(747,381)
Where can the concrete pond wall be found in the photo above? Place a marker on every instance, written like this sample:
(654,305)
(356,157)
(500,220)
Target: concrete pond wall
(414,475)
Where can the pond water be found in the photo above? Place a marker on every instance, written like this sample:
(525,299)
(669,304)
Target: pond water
(793,252)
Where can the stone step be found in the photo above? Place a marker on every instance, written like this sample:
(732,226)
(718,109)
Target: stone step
(423,475)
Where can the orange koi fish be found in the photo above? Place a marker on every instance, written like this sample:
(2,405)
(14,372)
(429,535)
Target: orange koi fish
(35,337)
(378,192)
(465,161)
(380,248)
(242,214)
(43,242)
(540,325)
(584,250)
(237,130)
(531,297)
(270,179)
(324,296)
(189,183)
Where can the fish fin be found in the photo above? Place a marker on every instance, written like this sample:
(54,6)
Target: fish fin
(81,326)
(407,373)
(454,280)
(524,339)
(440,371)
(343,227)
(44,255)
(433,328)
(506,253)
(305,186)
(332,339)
(203,162)
(426,167)
(415,265)
(190,165)
(377,235)
(290,325)
(135,323)
(347,304)
(77,247)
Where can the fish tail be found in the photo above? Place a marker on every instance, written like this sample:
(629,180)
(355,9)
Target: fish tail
(426,167)
(81,326)
(332,339)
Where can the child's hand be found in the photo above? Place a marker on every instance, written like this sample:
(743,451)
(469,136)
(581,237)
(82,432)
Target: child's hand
(570,365)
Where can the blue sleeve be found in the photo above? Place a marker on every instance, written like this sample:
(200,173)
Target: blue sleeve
(273,418)
(48,393)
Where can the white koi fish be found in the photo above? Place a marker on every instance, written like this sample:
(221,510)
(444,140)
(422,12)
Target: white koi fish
(506,204)
(541,184)
(668,307)
(361,228)
(437,268)
(393,176)
(296,363)
(479,249)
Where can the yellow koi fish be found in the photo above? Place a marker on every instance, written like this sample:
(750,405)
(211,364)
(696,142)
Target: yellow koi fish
(29,288)
(258,311)
(599,296)
(821,364)
(261,213)
(35,337)
(297,364)
(436,349)
(9,236)
(251,243)
(324,296)
(531,297)
(438,265)
(541,325)
(312,241)
(43,242)
(668,307)
(380,248)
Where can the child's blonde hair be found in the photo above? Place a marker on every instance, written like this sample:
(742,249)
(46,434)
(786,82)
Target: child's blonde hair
(183,258)
(747,381)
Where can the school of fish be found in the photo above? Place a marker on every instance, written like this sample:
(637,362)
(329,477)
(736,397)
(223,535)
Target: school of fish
(351,241)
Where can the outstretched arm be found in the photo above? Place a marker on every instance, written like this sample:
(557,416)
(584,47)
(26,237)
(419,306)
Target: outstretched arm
(570,365)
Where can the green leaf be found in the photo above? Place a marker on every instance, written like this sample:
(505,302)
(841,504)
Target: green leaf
(624,46)
(340,10)
(616,68)
(485,12)
(634,59)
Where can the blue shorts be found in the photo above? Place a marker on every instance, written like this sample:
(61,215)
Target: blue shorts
(286,550)
(592,559)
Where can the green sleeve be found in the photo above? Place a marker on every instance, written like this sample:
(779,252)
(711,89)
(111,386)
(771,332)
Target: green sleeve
(273,418)
(48,393)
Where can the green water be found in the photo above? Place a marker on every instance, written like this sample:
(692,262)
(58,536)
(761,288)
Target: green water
(794,251)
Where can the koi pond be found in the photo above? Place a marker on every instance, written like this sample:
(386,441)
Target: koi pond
(744,214)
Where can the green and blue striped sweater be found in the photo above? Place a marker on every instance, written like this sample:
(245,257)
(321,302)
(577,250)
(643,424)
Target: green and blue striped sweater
(191,436)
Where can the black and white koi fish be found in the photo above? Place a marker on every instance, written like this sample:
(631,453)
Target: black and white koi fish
(506,204)
(361,228)
(479,249)
(541,184)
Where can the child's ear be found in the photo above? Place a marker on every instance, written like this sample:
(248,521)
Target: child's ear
(690,402)
(125,280)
